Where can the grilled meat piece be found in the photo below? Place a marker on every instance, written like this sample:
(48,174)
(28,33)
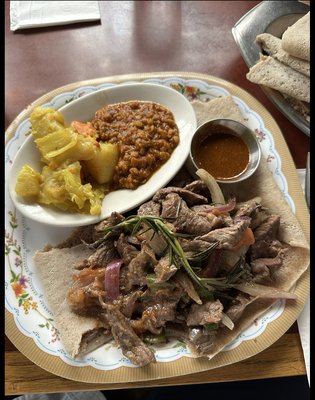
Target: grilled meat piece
(199,187)
(182,217)
(191,198)
(164,269)
(150,208)
(126,250)
(201,341)
(138,267)
(268,229)
(114,219)
(88,286)
(91,340)
(102,256)
(262,268)
(207,313)
(131,345)
(171,206)
(160,307)
(237,306)
(228,236)
(265,249)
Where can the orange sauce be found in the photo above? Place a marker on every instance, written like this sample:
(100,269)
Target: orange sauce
(223,155)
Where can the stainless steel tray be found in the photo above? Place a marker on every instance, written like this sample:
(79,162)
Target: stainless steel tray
(271,17)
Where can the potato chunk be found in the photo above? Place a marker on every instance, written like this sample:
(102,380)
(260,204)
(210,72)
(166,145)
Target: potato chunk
(102,166)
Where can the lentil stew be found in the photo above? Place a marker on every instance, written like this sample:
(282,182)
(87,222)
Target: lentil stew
(146,133)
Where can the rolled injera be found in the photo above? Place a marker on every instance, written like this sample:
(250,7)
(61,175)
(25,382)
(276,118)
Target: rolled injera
(272,46)
(296,39)
(276,75)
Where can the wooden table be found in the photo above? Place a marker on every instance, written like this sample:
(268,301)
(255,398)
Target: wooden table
(129,39)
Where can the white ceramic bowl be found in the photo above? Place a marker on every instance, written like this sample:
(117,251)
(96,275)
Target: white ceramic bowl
(83,109)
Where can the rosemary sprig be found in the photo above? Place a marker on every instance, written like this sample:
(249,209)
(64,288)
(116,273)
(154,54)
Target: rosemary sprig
(202,255)
(134,223)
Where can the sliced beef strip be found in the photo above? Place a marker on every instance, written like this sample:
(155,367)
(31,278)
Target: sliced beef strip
(266,243)
(191,198)
(201,341)
(262,268)
(247,209)
(126,250)
(268,229)
(87,288)
(157,312)
(218,221)
(265,249)
(150,208)
(183,281)
(228,237)
(171,206)
(139,265)
(186,221)
(198,187)
(128,303)
(237,306)
(207,313)
(198,339)
(164,269)
(259,263)
(131,345)
(114,219)
(105,253)
(194,246)
(93,339)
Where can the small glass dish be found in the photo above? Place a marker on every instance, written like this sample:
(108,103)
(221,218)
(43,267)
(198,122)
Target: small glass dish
(225,128)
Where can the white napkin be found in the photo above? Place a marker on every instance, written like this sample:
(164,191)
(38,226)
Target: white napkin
(32,14)
(304,319)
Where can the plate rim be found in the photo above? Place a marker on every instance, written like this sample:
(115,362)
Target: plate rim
(88,374)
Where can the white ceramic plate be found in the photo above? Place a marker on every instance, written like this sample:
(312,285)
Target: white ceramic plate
(24,294)
(83,109)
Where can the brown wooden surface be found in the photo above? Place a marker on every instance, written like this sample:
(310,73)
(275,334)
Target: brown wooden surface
(196,37)
(283,358)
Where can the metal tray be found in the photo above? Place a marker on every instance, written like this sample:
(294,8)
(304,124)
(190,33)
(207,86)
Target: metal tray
(270,17)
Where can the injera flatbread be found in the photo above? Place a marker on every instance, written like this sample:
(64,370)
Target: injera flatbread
(300,106)
(55,268)
(271,45)
(296,39)
(221,107)
(276,75)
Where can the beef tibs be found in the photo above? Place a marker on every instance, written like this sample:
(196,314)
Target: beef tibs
(177,260)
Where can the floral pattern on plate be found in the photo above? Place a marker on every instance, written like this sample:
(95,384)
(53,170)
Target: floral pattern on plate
(24,296)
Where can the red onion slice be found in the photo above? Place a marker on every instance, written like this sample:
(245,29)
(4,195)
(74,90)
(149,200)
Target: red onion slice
(112,280)
(228,206)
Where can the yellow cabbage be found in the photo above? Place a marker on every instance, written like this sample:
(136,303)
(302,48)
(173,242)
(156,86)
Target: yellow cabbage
(65,145)
(63,188)
(45,120)
(28,182)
